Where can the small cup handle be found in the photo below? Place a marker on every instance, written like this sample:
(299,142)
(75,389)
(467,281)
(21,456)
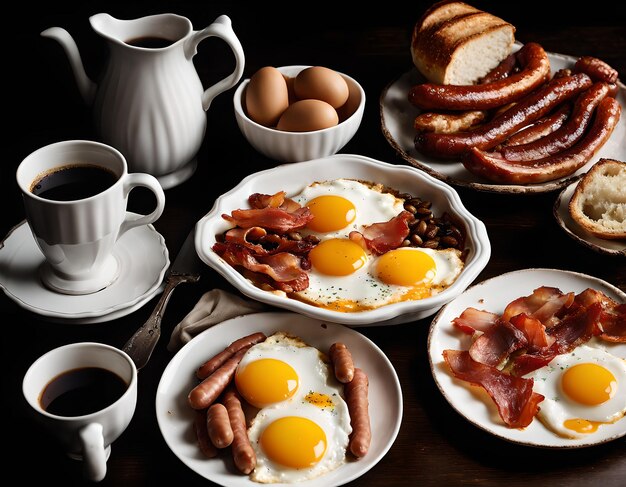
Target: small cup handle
(147,181)
(221,28)
(94,456)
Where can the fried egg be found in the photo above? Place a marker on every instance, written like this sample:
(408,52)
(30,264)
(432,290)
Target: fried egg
(583,389)
(343,205)
(344,277)
(301,427)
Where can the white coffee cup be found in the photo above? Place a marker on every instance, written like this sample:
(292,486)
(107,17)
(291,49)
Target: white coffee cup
(87,437)
(78,237)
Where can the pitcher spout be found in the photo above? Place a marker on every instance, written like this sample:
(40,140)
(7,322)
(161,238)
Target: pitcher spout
(86,86)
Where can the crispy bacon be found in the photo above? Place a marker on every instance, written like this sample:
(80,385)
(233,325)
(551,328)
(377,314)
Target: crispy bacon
(497,343)
(545,303)
(514,397)
(283,268)
(260,242)
(613,324)
(276,219)
(385,236)
(277,200)
(534,331)
(472,320)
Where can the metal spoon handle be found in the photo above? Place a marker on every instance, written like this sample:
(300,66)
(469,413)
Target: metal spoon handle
(140,346)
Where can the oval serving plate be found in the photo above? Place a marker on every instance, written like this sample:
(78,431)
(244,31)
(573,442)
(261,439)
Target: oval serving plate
(175,416)
(493,295)
(292,178)
(575,231)
(397,115)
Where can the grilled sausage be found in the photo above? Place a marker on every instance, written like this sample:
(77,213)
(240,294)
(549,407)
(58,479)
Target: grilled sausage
(205,393)
(208,367)
(204,442)
(243,454)
(535,70)
(540,128)
(501,71)
(218,426)
(489,135)
(596,69)
(356,392)
(566,136)
(495,168)
(341,358)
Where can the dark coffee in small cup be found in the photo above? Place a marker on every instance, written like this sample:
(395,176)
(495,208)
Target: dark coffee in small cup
(149,42)
(82,391)
(73,182)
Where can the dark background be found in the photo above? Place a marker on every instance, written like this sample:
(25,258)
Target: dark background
(42,106)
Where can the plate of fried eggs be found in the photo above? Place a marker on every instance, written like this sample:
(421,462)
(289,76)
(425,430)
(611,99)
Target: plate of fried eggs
(584,390)
(347,283)
(294,353)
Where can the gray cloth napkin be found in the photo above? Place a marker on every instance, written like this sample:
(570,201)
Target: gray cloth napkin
(213,307)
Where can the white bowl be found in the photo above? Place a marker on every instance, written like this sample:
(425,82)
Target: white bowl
(292,178)
(300,146)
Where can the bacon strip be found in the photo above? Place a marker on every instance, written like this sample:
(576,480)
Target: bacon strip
(472,320)
(276,219)
(543,304)
(534,331)
(283,267)
(277,200)
(385,236)
(514,397)
(497,343)
(613,324)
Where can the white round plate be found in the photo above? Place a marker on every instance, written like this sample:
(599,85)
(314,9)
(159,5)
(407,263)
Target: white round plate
(175,416)
(293,178)
(397,115)
(493,295)
(143,258)
(574,230)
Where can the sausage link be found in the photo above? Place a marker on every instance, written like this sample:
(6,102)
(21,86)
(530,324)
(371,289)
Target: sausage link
(448,123)
(535,71)
(218,426)
(204,442)
(341,358)
(493,167)
(541,128)
(208,367)
(501,71)
(243,454)
(356,392)
(205,393)
(489,135)
(596,69)
(566,136)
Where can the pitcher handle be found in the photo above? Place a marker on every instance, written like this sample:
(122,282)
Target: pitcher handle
(221,28)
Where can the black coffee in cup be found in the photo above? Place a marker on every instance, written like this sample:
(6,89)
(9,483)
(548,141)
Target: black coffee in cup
(82,391)
(73,182)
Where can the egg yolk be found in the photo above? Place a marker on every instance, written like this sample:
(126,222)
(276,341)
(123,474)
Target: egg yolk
(266,381)
(330,213)
(581,425)
(337,257)
(294,442)
(406,267)
(589,384)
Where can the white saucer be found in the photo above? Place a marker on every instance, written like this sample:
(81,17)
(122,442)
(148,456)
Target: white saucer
(143,259)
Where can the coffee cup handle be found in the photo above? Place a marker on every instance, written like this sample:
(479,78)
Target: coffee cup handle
(94,454)
(147,181)
(221,28)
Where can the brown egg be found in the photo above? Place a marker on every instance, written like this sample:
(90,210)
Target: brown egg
(321,84)
(292,96)
(308,115)
(266,96)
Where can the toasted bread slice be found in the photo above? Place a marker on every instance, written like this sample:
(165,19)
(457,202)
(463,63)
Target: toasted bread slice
(599,201)
(454,43)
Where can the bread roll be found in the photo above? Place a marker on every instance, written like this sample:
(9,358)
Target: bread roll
(599,201)
(455,43)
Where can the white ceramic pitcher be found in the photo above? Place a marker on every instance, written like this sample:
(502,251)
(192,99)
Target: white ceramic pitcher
(150,102)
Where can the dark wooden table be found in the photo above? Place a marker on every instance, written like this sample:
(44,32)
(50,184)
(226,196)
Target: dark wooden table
(435,445)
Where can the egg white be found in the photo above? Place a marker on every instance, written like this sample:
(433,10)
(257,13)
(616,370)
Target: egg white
(558,407)
(364,287)
(371,206)
(314,375)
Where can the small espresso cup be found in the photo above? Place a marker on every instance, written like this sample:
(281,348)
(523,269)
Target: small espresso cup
(75,195)
(85,395)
